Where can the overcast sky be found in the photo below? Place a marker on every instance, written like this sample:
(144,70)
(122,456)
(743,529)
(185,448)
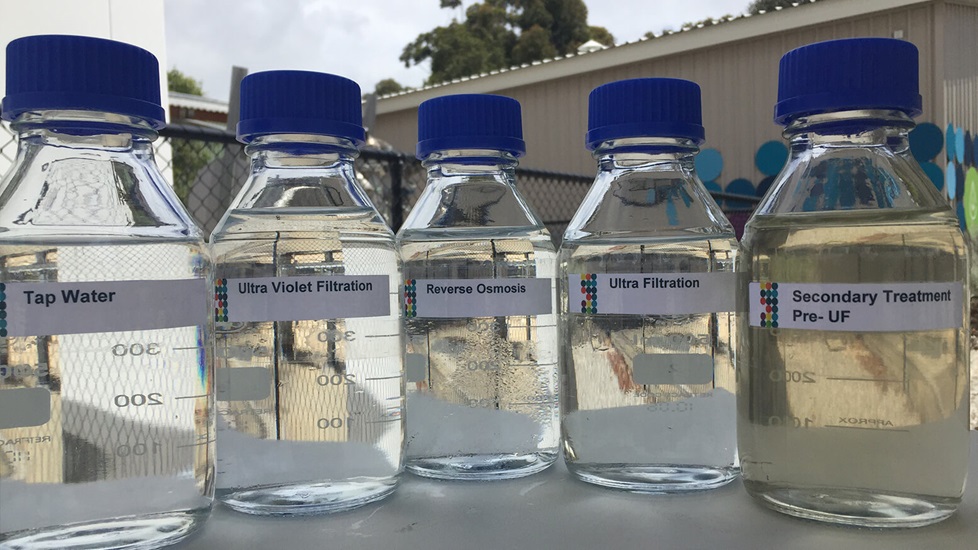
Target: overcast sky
(360,39)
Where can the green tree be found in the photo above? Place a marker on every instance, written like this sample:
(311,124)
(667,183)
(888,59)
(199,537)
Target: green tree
(176,81)
(601,35)
(388,86)
(499,33)
(758,6)
(189,156)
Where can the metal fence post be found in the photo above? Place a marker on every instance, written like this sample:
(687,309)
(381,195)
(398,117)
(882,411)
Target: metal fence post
(397,192)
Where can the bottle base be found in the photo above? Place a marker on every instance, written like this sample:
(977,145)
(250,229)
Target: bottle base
(852,507)
(306,499)
(481,467)
(125,533)
(654,478)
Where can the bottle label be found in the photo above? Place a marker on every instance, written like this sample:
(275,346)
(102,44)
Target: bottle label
(301,298)
(40,309)
(651,293)
(887,307)
(458,298)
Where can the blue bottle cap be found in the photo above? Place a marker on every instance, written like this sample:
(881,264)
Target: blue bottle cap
(300,102)
(61,72)
(644,107)
(854,73)
(470,121)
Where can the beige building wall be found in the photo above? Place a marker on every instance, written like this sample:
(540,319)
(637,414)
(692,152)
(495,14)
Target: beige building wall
(738,78)
(959,45)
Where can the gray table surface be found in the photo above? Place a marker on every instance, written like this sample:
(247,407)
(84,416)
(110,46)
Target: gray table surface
(552,510)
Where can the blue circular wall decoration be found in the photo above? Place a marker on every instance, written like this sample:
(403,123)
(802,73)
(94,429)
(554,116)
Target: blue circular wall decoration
(969,149)
(714,187)
(949,183)
(926,141)
(764,185)
(740,186)
(949,142)
(709,164)
(959,144)
(935,174)
(771,156)
(961,218)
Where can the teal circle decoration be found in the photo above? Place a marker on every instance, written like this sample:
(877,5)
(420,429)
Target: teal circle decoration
(961,219)
(949,142)
(740,186)
(764,185)
(950,185)
(935,174)
(969,150)
(771,156)
(714,187)
(959,144)
(926,141)
(709,164)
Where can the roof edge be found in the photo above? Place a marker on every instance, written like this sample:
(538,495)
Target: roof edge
(739,28)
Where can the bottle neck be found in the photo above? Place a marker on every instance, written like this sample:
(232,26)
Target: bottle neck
(646,153)
(647,188)
(285,151)
(302,171)
(90,130)
(471,163)
(853,129)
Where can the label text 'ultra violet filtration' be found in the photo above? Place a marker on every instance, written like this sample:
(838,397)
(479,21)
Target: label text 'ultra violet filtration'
(886,307)
(301,298)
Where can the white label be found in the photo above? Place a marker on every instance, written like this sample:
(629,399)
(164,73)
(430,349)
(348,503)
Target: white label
(36,309)
(301,298)
(457,298)
(888,307)
(651,293)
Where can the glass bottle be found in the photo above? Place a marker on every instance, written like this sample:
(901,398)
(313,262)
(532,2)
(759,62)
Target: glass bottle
(648,299)
(105,340)
(481,328)
(853,407)
(309,348)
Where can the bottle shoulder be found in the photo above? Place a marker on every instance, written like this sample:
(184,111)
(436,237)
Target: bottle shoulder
(53,193)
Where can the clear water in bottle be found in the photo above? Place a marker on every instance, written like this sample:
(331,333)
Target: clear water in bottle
(481,324)
(106,426)
(626,423)
(649,285)
(496,373)
(320,428)
(310,384)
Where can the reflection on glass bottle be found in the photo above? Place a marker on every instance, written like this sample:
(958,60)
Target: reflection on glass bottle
(309,352)
(647,272)
(479,300)
(853,403)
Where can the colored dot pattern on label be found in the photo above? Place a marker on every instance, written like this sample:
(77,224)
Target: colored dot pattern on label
(769,303)
(3,309)
(589,291)
(221,301)
(411,298)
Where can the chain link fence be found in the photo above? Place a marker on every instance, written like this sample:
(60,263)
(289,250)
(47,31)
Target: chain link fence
(207,167)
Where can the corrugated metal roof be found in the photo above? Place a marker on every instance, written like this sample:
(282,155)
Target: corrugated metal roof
(196,102)
(662,34)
